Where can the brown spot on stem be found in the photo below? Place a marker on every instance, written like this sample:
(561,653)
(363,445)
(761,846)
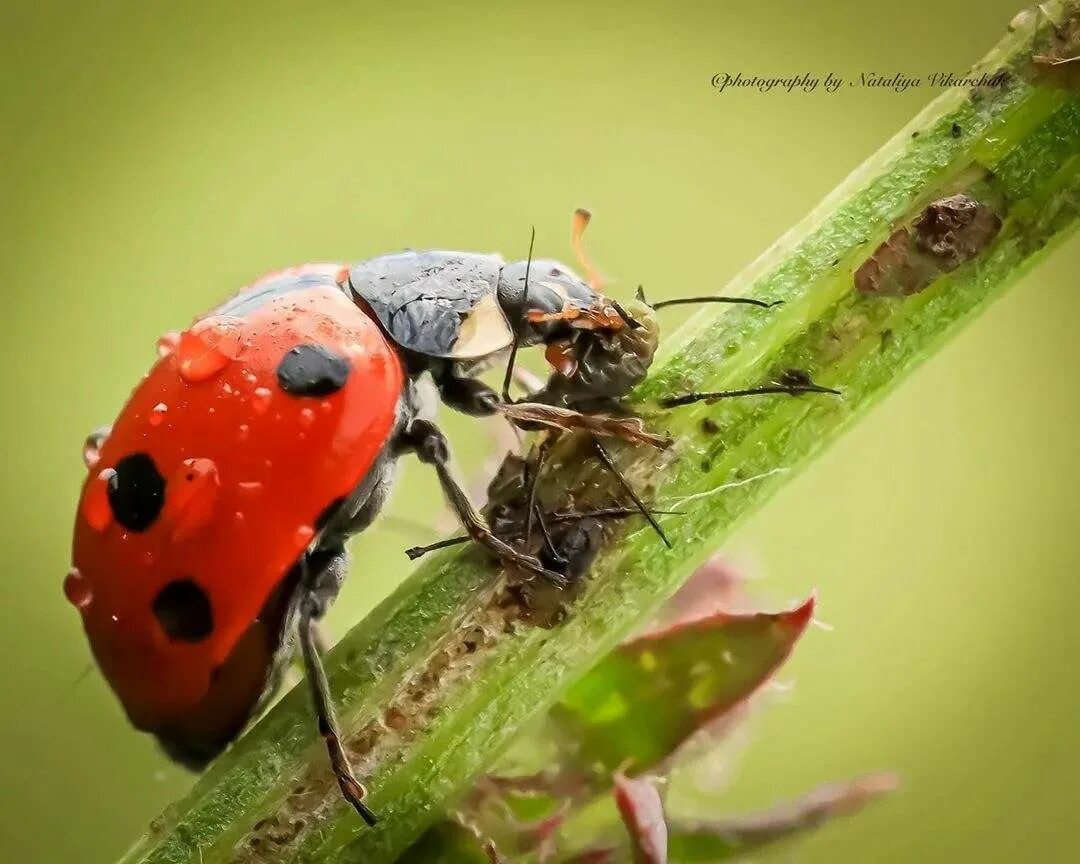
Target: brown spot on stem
(949,232)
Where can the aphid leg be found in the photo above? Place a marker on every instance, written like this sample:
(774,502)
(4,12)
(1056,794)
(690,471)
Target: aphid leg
(556,556)
(533,480)
(564,516)
(711,298)
(605,457)
(431,447)
(312,608)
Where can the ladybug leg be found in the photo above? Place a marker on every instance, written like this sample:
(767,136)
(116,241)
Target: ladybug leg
(468,396)
(313,605)
(430,445)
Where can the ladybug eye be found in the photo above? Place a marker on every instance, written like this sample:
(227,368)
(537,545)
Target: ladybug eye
(183,611)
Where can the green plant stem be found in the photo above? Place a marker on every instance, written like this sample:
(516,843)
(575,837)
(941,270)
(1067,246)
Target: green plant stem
(437,681)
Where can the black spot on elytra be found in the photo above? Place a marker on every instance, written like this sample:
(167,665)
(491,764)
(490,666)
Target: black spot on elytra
(136,492)
(312,370)
(183,611)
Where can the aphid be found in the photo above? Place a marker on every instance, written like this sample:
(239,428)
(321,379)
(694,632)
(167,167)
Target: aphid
(216,509)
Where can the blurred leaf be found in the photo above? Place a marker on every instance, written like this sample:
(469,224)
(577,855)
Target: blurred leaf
(716,585)
(699,842)
(646,698)
(591,856)
(447,842)
(642,813)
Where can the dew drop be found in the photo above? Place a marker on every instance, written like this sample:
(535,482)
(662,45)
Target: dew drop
(242,432)
(96,509)
(326,406)
(193,493)
(260,400)
(250,487)
(166,345)
(304,534)
(238,517)
(91,453)
(77,589)
(157,414)
(307,417)
(207,348)
(250,377)
(226,388)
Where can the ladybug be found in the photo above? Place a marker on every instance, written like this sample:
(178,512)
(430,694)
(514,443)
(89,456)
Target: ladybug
(212,523)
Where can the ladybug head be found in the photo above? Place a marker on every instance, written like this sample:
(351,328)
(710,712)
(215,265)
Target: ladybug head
(596,346)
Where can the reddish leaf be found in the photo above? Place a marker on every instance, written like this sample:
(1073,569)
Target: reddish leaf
(643,815)
(715,586)
(645,699)
(718,840)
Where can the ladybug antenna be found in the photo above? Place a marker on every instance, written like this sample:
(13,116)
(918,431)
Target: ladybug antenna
(524,306)
(577,240)
(712,298)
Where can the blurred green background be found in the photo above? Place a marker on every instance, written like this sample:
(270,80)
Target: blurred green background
(155,156)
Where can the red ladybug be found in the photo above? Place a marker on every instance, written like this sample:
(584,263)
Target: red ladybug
(216,509)
(215,513)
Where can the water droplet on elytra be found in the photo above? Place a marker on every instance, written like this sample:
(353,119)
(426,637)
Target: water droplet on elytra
(242,432)
(250,487)
(304,534)
(167,343)
(77,589)
(193,493)
(307,417)
(157,414)
(91,453)
(96,509)
(207,348)
(260,400)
